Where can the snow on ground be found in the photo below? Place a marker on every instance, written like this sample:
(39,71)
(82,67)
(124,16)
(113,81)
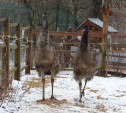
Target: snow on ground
(102,95)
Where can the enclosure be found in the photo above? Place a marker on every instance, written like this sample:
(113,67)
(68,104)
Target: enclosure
(17,56)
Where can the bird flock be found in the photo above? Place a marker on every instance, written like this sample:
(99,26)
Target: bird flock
(47,62)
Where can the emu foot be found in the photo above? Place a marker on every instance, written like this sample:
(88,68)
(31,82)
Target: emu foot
(53,98)
(41,100)
(80,100)
(81,97)
(82,93)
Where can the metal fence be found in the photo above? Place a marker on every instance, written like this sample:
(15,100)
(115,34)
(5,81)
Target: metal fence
(16,14)
(64,19)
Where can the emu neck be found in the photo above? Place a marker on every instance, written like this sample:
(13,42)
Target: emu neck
(44,39)
(44,35)
(84,41)
(45,28)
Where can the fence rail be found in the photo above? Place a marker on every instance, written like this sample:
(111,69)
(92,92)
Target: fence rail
(91,35)
(119,12)
(6,49)
(2,19)
(103,45)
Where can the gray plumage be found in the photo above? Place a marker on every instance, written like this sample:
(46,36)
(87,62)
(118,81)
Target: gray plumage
(84,63)
(46,59)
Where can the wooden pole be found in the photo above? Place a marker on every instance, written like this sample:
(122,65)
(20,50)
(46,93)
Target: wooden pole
(29,52)
(18,53)
(107,64)
(6,51)
(105,31)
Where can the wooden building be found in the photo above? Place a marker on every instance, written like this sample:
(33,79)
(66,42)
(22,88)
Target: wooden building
(95,25)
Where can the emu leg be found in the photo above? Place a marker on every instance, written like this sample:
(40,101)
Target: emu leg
(80,85)
(43,81)
(43,95)
(84,87)
(52,96)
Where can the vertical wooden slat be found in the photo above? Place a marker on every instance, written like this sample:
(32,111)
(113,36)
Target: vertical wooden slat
(6,52)
(29,52)
(105,31)
(18,53)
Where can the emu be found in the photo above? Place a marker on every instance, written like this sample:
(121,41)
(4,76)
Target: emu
(84,63)
(46,59)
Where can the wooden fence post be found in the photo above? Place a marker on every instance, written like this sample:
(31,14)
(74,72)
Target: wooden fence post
(107,64)
(29,52)
(18,53)
(105,31)
(6,51)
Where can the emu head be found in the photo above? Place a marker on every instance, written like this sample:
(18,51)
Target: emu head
(44,34)
(44,15)
(45,23)
(85,28)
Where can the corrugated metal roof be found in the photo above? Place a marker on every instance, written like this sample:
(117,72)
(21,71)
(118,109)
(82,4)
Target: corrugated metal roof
(98,22)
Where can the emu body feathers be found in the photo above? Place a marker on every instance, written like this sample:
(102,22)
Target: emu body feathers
(46,59)
(84,63)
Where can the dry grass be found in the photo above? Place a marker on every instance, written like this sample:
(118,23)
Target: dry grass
(101,98)
(53,102)
(94,91)
(37,82)
(101,108)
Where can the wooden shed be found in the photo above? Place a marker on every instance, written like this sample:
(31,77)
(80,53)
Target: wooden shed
(95,24)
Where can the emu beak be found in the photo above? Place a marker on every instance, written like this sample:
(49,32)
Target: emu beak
(84,30)
(43,14)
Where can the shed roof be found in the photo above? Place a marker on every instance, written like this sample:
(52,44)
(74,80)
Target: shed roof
(98,22)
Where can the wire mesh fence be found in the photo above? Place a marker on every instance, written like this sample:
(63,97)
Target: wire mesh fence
(64,19)
(16,14)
